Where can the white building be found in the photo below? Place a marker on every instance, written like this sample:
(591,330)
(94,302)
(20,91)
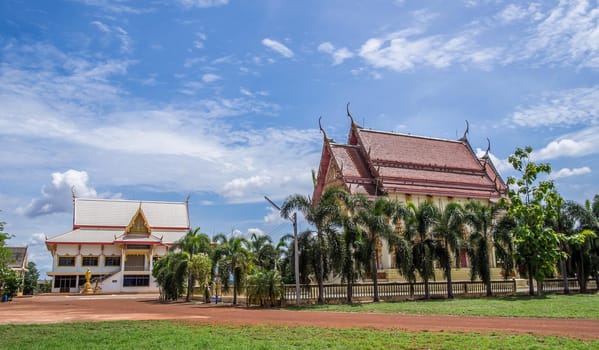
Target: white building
(118,241)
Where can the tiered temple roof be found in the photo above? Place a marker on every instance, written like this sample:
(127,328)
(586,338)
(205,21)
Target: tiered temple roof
(378,163)
(104,221)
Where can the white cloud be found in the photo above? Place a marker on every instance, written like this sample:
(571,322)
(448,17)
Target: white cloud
(210,78)
(338,55)
(277,47)
(37,239)
(101,26)
(203,3)
(115,6)
(565,108)
(514,12)
(502,165)
(567,172)
(578,144)
(568,34)
(273,216)
(240,186)
(401,51)
(258,232)
(71,105)
(57,195)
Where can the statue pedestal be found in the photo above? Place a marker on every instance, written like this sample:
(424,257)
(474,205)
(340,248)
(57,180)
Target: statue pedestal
(87,288)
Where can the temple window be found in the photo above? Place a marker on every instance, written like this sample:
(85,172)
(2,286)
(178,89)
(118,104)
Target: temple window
(89,261)
(66,261)
(112,261)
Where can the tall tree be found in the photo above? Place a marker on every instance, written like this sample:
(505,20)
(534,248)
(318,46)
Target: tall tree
(194,242)
(537,245)
(378,219)
(170,273)
(448,231)
(419,222)
(30,280)
(234,259)
(263,251)
(480,218)
(322,216)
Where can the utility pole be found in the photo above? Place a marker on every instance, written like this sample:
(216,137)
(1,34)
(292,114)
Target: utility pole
(296,251)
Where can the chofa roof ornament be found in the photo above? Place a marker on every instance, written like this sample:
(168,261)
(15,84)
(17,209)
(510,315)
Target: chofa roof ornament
(324,133)
(466,132)
(349,114)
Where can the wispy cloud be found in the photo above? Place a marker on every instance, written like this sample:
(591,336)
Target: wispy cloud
(338,55)
(567,172)
(515,12)
(203,3)
(568,34)
(565,108)
(210,78)
(115,6)
(277,47)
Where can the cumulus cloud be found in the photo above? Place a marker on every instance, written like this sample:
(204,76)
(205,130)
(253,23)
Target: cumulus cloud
(565,108)
(240,186)
(578,144)
(273,216)
(567,172)
(36,239)
(502,165)
(277,47)
(255,231)
(203,3)
(57,195)
(338,55)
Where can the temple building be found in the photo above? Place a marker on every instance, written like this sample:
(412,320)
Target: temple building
(410,169)
(118,241)
(18,261)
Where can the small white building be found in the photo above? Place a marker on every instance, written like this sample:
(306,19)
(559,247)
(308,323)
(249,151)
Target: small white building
(118,241)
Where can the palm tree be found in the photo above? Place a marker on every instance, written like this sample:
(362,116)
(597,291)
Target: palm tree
(419,222)
(481,218)
(263,251)
(503,242)
(320,215)
(170,272)
(378,220)
(234,259)
(448,231)
(193,243)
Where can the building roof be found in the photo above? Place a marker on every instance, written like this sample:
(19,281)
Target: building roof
(115,236)
(118,213)
(108,221)
(17,258)
(378,163)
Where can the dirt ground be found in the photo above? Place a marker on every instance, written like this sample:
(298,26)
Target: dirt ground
(63,308)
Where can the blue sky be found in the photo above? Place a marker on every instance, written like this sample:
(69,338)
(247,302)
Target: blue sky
(220,99)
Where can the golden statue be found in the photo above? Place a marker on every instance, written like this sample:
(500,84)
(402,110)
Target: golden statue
(87,287)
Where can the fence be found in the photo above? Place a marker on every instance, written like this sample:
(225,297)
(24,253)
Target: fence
(400,290)
(557,285)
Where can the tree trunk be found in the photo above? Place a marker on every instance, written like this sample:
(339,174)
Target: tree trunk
(427,294)
(582,278)
(449,284)
(320,279)
(489,286)
(531,286)
(539,287)
(375,280)
(189,287)
(564,275)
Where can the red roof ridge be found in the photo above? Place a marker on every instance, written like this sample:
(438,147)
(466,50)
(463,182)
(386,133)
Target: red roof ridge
(410,135)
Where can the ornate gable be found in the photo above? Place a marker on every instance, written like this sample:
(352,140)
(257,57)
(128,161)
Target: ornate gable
(138,224)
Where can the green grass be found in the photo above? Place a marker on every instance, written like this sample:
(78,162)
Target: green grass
(555,306)
(180,335)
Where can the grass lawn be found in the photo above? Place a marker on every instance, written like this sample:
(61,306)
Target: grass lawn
(181,335)
(559,306)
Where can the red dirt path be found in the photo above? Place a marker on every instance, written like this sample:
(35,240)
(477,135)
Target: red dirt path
(54,309)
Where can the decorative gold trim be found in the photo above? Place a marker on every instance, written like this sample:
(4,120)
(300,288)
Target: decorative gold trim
(135,227)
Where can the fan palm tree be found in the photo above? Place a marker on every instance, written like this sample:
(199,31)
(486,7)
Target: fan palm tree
(448,231)
(480,219)
(378,219)
(194,242)
(234,259)
(322,216)
(419,222)
(263,251)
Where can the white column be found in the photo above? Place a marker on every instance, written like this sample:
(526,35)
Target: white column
(151,258)
(122,259)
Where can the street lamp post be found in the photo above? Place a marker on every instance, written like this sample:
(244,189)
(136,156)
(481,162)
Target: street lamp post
(296,251)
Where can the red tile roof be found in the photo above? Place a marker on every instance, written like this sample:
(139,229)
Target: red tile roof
(389,162)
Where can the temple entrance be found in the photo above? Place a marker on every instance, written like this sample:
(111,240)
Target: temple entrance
(135,263)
